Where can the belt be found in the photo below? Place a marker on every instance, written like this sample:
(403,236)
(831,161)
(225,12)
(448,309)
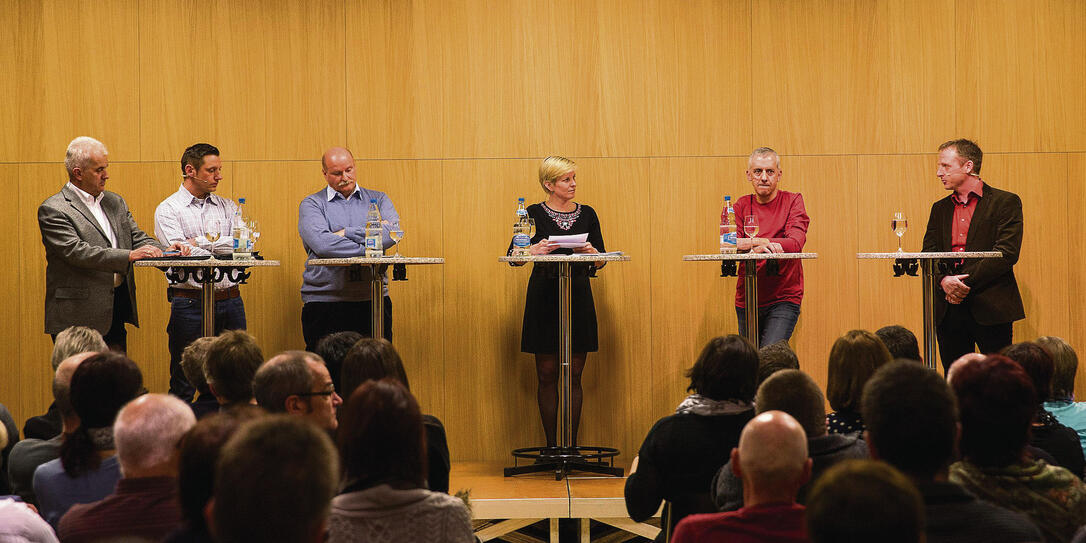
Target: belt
(220,295)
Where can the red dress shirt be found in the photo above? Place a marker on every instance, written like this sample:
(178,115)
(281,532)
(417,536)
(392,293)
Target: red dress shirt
(963,214)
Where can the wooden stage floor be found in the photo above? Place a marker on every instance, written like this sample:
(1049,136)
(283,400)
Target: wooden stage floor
(501,505)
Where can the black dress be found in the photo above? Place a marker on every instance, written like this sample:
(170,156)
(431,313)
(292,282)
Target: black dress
(540,331)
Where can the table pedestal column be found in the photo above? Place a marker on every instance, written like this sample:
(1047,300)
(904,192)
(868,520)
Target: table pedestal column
(928,288)
(208,295)
(377,302)
(750,291)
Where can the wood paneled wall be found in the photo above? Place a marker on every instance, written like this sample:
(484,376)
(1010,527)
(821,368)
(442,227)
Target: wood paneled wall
(450,105)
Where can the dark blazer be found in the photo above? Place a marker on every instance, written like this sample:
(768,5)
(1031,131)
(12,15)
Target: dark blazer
(80,262)
(996,226)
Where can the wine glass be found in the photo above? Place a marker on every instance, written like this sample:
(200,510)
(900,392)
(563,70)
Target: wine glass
(395,231)
(899,224)
(750,225)
(213,231)
(531,228)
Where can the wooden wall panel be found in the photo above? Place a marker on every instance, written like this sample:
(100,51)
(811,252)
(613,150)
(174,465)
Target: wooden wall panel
(202,72)
(851,77)
(11,364)
(1039,266)
(393,70)
(1022,82)
(75,73)
(887,184)
(1073,289)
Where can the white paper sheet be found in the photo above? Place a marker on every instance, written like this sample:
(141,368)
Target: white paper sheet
(569,242)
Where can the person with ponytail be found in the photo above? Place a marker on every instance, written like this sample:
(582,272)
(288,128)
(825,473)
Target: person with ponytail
(87,469)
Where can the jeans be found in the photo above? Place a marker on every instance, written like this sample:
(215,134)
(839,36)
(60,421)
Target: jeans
(775,322)
(187,324)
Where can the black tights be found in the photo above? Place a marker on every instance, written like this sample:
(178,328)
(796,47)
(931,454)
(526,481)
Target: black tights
(546,369)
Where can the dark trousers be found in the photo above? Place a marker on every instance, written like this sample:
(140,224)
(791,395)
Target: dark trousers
(958,332)
(322,318)
(187,324)
(117,336)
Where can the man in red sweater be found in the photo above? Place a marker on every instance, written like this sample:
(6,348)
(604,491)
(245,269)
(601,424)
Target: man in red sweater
(772,462)
(781,228)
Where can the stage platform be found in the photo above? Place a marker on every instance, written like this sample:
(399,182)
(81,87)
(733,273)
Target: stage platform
(502,505)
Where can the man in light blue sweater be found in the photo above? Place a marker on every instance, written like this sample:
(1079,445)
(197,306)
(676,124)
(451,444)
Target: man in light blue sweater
(332,223)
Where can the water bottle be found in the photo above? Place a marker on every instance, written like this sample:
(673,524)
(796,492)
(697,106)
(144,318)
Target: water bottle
(521,230)
(374,247)
(243,244)
(728,228)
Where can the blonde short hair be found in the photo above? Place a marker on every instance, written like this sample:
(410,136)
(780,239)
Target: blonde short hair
(552,168)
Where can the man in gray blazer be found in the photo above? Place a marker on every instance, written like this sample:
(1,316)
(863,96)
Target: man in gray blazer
(90,243)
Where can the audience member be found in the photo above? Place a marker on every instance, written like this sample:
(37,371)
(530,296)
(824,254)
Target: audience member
(87,469)
(864,500)
(144,506)
(997,402)
(200,450)
(274,481)
(772,463)
(28,454)
(70,341)
(795,393)
(385,496)
(193,365)
(232,361)
(912,423)
(377,359)
(1062,403)
(682,452)
(296,382)
(900,342)
(333,349)
(853,359)
(20,524)
(776,357)
(1046,433)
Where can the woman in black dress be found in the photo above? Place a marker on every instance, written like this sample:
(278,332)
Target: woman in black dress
(559,215)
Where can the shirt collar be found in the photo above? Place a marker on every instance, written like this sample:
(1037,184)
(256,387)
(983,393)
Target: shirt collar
(85,196)
(185,198)
(331,193)
(974,186)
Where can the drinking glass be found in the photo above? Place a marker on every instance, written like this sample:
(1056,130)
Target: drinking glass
(531,228)
(213,229)
(750,225)
(899,224)
(395,231)
(254,232)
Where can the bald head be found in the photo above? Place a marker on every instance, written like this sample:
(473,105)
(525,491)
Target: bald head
(772,457)
(961,362)
(147,433)
(338,167)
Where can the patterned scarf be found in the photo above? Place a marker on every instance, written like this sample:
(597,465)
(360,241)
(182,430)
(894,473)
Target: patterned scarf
(696,404)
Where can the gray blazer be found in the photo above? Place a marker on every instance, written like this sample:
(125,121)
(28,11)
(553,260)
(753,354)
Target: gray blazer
(80,262)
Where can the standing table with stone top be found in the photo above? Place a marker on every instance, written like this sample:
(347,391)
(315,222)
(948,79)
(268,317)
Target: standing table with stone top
(206,271)
(377,283)
(729,268)
(568,457)
(932,264)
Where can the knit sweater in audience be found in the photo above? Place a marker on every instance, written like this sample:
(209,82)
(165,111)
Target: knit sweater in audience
(1051,496)
(825,451)
(768,523)
(1070,414)
(57,492)
(390,515)
(952,515)
(142,508)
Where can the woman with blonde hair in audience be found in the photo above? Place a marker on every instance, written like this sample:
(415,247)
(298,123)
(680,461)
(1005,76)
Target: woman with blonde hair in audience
(375,359)
(682,452)
(853,360)
(1062,402)
(380,441)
